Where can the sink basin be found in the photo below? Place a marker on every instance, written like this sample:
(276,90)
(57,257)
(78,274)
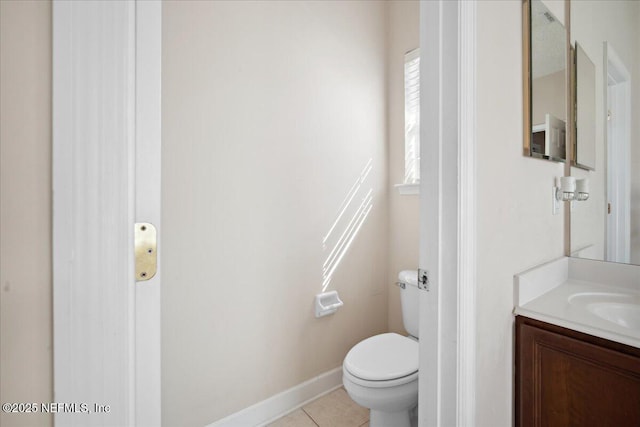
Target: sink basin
(627,315)
(619,308)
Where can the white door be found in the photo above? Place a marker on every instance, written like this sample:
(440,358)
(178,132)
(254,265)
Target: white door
(106,177)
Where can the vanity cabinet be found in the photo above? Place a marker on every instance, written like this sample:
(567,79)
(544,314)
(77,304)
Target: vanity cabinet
(567,378)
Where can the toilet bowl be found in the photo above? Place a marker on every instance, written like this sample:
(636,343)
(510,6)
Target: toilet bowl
(381,373)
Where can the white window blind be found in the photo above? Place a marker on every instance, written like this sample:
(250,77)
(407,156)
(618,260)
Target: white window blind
(412,117)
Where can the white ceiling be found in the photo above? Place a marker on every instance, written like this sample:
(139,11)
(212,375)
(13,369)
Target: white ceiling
(547,41)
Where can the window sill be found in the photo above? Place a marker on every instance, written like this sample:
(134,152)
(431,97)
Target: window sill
(408,189)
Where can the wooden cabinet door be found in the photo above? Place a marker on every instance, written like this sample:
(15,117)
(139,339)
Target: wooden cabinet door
(564,378)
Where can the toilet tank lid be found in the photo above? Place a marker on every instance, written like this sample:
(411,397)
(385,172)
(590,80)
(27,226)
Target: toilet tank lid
(408,276)
(383,357)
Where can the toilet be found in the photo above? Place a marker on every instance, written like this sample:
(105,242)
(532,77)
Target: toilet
(381,372)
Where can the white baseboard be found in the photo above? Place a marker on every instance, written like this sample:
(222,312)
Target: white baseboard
(283,403)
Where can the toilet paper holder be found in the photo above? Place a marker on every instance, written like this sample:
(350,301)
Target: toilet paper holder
(327,303)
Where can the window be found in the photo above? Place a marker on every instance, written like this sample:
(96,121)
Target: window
(412,117)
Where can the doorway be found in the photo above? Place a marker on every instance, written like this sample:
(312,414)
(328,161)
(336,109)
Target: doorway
(618,121)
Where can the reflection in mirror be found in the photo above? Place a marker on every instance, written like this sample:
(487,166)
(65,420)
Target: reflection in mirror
(607,226)
(585,92)
(546,135)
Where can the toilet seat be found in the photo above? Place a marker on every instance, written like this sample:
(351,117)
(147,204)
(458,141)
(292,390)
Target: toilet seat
(383,360)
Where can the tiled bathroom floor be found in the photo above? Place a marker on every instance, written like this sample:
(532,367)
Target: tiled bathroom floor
(335,409)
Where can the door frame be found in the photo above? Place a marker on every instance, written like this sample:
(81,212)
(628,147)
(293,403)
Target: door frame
(148,190)
(447,35)
(617,96)
(448,241)
(106,176)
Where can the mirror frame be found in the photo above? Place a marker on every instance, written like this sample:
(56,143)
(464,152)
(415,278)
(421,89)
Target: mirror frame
(527,88)
(526,76)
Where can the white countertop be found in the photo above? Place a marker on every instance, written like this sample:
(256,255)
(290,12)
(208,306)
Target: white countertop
(557,293)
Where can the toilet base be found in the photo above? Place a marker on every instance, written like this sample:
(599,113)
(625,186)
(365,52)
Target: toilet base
(407,418)
(389,419)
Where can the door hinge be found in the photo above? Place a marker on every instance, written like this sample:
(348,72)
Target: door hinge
(423,279)
(145,242)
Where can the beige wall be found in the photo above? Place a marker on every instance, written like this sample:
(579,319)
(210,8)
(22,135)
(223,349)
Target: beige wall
(404,26)
(516,229)
(26,362)
(271,110)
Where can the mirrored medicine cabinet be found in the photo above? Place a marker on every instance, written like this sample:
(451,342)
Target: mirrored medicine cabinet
(581,81)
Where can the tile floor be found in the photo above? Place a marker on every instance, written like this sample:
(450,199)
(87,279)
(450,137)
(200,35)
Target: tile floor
(335,409)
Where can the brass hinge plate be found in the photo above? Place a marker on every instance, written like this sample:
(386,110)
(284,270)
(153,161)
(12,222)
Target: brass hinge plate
(145,251)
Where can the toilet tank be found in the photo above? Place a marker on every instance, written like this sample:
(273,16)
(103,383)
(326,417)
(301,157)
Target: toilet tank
(410,301)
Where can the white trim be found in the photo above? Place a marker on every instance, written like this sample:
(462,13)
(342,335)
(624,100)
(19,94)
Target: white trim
(408,189)
(93,142)
(466,387)
(448,243)
(439,229)
(281,404)
(148,86)
(428,386)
